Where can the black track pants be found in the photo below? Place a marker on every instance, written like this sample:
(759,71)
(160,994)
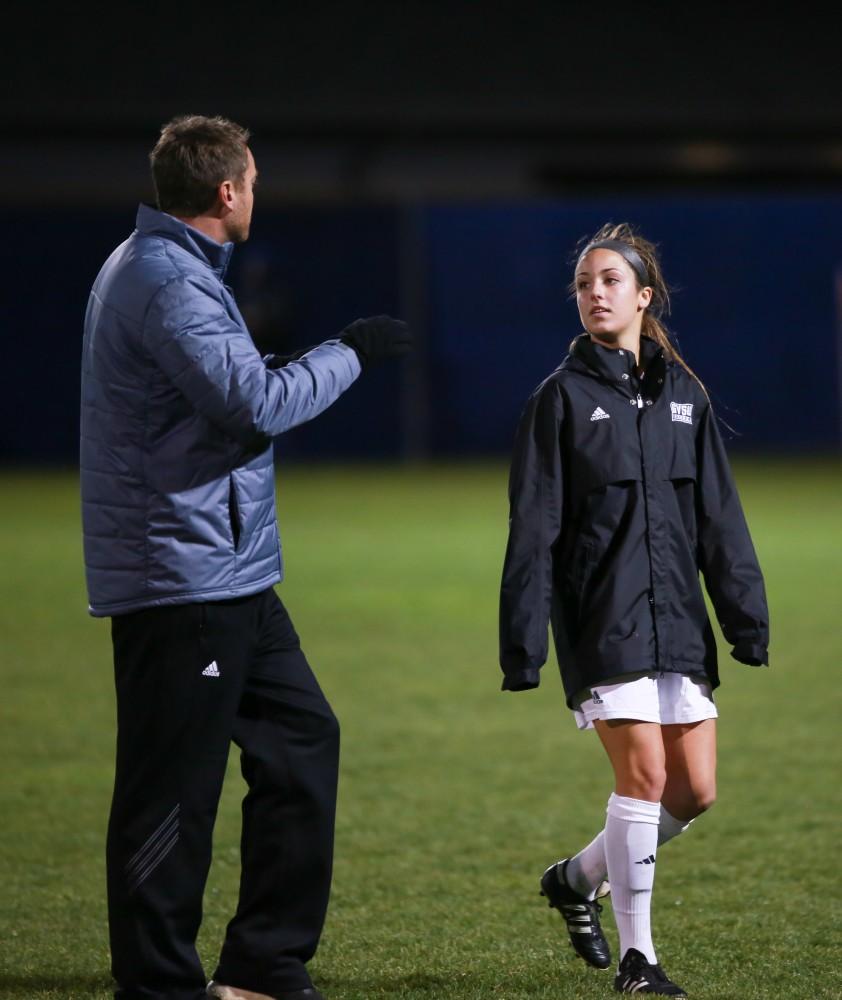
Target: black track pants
(191,678)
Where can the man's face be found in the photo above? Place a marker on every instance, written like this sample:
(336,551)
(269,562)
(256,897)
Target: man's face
(238,220)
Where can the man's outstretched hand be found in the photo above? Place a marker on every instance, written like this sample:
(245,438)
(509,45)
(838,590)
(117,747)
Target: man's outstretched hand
(377,338)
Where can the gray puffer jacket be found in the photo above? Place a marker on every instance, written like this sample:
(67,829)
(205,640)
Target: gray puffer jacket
(178,415)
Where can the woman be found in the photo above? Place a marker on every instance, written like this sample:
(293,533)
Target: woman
(620,493)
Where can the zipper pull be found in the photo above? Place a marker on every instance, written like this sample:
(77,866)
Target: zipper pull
(639,402)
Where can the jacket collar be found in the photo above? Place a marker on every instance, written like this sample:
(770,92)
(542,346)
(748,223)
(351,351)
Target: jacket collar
(216,256)
(616,366)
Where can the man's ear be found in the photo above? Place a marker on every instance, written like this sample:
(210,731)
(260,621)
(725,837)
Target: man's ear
(226,194)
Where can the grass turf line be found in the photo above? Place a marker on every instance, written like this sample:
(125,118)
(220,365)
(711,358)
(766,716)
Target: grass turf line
(453,795)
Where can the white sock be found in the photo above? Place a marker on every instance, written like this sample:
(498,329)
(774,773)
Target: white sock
(587,870)
(669,826)
(631,843)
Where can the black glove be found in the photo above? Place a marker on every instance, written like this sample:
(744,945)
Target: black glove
(273,361)
(377,337)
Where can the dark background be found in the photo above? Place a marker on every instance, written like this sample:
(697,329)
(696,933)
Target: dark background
(439,162)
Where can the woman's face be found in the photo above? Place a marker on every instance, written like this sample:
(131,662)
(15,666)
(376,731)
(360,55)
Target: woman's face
(609,300)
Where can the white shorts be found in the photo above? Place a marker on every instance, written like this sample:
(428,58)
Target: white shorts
(647,697)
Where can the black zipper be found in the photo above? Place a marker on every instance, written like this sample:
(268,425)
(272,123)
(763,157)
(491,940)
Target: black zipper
(646,515)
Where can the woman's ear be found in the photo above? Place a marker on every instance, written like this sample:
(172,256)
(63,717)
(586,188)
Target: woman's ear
(644,298)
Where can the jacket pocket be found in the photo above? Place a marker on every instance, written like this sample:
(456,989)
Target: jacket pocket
(234,513)
(585,566)
(582,562)
(683,494)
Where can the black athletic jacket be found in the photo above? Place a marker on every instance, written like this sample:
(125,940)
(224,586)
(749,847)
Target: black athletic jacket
(620,493)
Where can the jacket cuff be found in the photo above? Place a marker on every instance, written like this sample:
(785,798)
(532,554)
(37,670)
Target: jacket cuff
(754,654)
(522,680)
(361,357)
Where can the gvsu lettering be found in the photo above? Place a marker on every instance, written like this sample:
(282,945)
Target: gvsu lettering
(682,412)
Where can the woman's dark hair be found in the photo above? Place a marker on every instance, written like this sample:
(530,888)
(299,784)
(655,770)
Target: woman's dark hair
(641,255)
(192,157)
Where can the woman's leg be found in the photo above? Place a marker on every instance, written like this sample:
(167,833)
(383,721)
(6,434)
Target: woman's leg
(690,789)
(690,764)
(637,754)
(586,870)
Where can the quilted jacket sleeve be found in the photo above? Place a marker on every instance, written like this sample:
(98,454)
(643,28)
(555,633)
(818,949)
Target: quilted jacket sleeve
(212,359)
(535,509)
(726,554)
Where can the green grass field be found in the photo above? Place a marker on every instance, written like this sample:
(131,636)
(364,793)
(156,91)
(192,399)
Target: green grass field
(453,796)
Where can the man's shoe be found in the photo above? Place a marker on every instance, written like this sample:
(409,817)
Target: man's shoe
(580,914)
(636,975)
(220,992)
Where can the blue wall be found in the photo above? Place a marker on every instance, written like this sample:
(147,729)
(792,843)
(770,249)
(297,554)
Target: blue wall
(309,273)
(754,311)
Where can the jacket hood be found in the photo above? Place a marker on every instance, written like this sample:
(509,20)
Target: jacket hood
(590,358)
(152,222)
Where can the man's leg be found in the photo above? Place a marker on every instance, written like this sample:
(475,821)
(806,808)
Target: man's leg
(290,756)
(177,695)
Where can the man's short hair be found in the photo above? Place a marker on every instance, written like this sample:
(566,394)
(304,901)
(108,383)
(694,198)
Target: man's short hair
(192,157)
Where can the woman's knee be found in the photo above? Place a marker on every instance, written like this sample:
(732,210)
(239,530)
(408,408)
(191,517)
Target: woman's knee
(703,799)
(636,752)
(642,780)
(688,803)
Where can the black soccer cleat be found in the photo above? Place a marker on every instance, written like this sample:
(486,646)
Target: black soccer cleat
(580,914)
(636,975)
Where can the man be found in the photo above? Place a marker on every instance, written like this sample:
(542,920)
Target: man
(182,552)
